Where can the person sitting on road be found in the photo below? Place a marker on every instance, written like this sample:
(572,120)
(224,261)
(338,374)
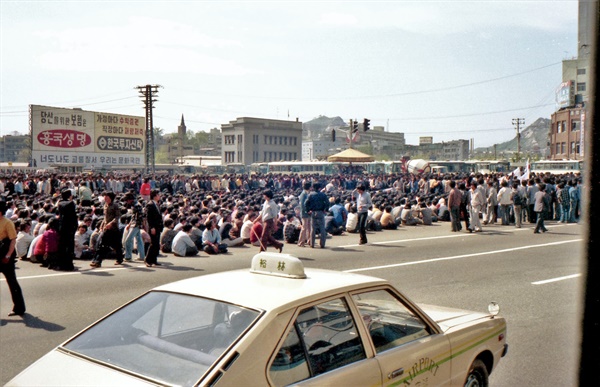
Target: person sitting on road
(211,238)
(183,246)
(167,236)
(352,220)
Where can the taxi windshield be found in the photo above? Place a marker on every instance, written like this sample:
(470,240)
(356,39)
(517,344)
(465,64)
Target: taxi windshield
(173,338)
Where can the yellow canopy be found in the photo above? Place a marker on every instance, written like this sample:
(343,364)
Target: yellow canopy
(350,156)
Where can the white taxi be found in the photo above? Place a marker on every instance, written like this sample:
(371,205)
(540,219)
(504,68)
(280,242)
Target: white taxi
(277,324)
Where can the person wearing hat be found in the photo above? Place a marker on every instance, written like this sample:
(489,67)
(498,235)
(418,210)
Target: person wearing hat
(8,238)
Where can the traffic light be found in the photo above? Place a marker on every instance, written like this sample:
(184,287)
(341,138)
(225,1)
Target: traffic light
(333,135)
(354,125)
(366,123)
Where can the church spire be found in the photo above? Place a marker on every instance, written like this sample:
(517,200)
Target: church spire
(182,122)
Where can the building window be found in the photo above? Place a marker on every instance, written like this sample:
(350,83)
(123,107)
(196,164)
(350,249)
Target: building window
(240,138)
(580,86)
(557,151)
(575,126)
(229,157)
(563,147)
(577,148)
(580,71)
(229,140)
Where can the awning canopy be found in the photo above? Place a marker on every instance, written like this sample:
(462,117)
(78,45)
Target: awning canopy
(350,156)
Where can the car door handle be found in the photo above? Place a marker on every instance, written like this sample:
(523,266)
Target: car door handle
(396,373)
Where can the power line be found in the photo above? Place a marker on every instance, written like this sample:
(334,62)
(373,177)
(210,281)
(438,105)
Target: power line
(408,93)
(463,115)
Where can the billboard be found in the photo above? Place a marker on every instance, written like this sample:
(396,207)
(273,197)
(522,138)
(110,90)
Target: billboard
(75,137)
(565,95)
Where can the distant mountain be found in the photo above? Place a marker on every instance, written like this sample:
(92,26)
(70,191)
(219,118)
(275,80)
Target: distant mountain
(321,123)
(534,139)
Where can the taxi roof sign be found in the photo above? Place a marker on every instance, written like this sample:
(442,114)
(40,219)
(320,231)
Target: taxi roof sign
(276,264)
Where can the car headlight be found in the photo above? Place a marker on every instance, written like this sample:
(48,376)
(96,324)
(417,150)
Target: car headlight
(493,308)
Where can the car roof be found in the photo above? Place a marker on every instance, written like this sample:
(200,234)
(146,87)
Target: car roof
(270,292)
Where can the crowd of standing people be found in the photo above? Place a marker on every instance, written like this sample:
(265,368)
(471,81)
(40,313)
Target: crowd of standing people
(55,219)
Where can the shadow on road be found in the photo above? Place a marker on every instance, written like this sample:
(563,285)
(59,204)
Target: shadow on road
(31,321)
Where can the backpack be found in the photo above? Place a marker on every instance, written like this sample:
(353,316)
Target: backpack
(518,199)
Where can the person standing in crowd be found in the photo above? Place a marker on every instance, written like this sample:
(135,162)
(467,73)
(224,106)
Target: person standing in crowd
(562,196)
(477,202)
(267,216)
(316,204)
(112,215)
(155,225)
(67,217)
(85,194)
(574,199)
(133,231)
(363,202)
(518,200)
(454,200)
(505,202)
(532,188)
(145,190)
(306,231)
(8,239)
(539,207)
(491,207)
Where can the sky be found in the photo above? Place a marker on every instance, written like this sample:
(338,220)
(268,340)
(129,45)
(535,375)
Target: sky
(447,69)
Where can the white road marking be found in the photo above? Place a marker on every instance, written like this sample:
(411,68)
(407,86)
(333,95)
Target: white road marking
(461,256)
(556,279)
(459,235)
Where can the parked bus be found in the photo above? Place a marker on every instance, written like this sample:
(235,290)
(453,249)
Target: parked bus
(309,167)
(488,166)
(557,167)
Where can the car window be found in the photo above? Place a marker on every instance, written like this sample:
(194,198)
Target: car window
(323,338)
(389,321)
(173,338)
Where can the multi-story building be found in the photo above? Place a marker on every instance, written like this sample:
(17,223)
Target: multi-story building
(567,131)
(15,148)
(250,140)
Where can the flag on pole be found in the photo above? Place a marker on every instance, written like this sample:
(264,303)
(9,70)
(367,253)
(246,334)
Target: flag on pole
(517,172)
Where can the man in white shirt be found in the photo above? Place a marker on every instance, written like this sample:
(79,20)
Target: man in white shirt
(183,246)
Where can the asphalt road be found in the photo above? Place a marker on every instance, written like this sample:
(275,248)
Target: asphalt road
(536,279)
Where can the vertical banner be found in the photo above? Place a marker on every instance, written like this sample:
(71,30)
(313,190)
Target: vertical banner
(582,134)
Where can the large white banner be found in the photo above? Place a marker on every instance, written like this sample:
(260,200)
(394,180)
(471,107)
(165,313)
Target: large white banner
(74,137)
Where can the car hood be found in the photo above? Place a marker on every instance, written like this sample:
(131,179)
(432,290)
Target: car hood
(64,369)
(448,318)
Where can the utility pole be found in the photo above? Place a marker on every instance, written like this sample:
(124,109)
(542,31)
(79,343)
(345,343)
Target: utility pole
(517,122)
(148,94)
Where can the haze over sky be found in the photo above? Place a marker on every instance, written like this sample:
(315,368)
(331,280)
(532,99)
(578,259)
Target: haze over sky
(448,69)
